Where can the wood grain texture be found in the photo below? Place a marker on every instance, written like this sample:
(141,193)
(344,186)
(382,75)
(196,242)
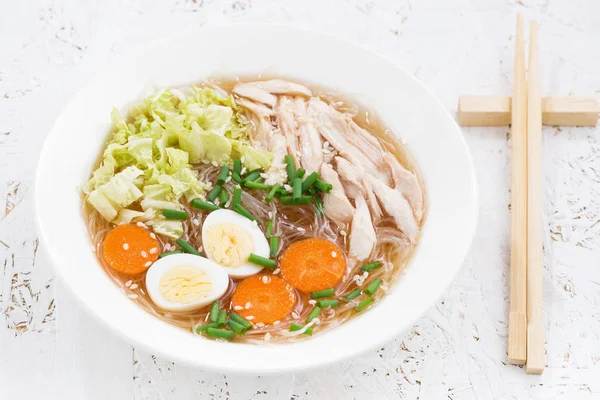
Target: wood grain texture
(458,349)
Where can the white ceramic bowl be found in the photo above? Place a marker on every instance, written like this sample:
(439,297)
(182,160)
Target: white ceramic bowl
(405,104)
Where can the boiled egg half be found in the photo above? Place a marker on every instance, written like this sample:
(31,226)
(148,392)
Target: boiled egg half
(228,239)
(185,282)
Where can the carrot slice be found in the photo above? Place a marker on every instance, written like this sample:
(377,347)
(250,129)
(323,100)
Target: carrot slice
(312,264)
(269,298)
(130,249)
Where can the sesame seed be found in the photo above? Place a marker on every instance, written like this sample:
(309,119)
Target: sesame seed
(153,250)
(128,283)
(200,249)
(316,321)
(144,254)
(295,315)
(270,215)
(301,229)
(277,270)
(326,144)
(287,187)
(312,302)
(238,308)
(148,263)
(214,163)
(343,232)
(227,179)
(244,169)
(149,223)
(265,279)
(267,337)
(248,305)
(250,317)
(134,286)
(243,159)
(133,296)
(196,222)
(326,151)
(140,224)
(276,322)
(260,325)
(125,246)
(152,235)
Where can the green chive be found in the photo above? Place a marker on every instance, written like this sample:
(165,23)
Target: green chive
(372,288)
(214,311)
(303,200)
(203,205)
(353,294)
(222,317)
(242,211)
(203,328)
(328,303)
(296,327)
(310,180)
(222,178)
(185,246)
(252,176)
(322,293)
(290,167)
(237,178)
(323,186)
(364,304)
(271,194)
(262,261)
(268,228)
(274,246)
(237,196)
(313,314)
(237,166)
(236,327)
(319,205)
(300,173)
(254,185)
(168,253)
(281,192)
(220,333)
(174,214)
(371,266)
(223,198)
(240,320)
(214,193)
(297,188)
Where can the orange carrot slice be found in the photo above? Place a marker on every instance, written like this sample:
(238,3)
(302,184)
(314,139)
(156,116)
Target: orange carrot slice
(269,298)
(130,249)
(312,264)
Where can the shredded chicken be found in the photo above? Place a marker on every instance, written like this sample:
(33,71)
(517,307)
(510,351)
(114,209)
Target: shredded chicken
(407,183)
(311,145)
(279,86)
(254,93)
(355,185)
(362,233)
(289,126)
(335,203)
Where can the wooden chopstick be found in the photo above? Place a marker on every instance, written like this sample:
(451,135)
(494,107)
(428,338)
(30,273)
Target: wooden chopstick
(517,321)
(535,328)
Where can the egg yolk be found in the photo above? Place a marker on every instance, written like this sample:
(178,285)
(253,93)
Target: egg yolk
(229,245)
(184,284)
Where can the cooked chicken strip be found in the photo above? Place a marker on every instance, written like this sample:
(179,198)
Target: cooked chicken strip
(362,233)
(254,93)
(277,172)
(335,203)
(279,86)
(367,144)
(289,126)
(407,183)
(355,185)
(311,145)
(261,117)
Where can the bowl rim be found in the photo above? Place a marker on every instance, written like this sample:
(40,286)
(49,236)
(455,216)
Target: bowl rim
(306,364)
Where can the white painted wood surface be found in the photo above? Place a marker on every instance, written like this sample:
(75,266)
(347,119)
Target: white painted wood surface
(50,348)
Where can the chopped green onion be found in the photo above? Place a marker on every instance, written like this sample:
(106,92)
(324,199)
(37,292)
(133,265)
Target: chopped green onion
(372,288)
(268,228)
(237,196)
(300,173)
(290,167)
(353,294)
(323,186)
(222,178)
(174,214)
(371,266)
(214,193)
(236,327)
(237,166)
(220,333)
(242,211)
(322,293)
(287,200)
(223,198)
(262,261)
(297,188)
(252,176)
(328,303)
(168,253)
(364,304)
(319,205)
(185,246)
(214,311)
(271,194)
(203,205)
(310,180)
(255,185)
(274,246)
(222,317)
(240,320)
(237,178)
(281,192)
(313,314)
(203,328)
(296,327)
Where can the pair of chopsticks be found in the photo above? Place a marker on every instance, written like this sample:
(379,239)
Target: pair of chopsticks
(526,330)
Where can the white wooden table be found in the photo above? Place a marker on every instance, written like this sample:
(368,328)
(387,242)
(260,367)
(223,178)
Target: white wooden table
(49,347)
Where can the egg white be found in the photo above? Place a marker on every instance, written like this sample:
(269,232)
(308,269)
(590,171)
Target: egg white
(259,241)
(217,275)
